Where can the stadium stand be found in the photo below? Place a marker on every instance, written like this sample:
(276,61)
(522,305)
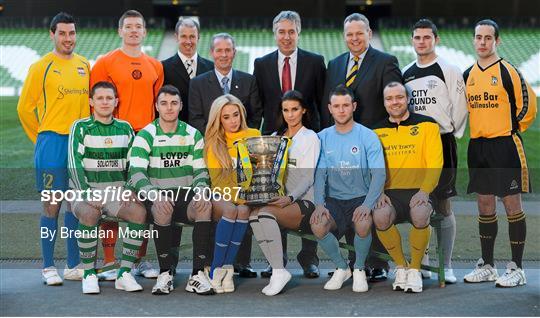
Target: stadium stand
(22,47)
(521,47)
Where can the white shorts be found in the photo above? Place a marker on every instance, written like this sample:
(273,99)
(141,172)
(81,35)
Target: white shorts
(111,207)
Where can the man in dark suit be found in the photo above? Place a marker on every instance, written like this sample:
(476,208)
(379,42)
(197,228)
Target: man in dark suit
(180,68)
(365,71)
(290,67)
(205,88)
(304,71)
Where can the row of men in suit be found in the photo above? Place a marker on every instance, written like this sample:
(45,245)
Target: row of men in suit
(363,69)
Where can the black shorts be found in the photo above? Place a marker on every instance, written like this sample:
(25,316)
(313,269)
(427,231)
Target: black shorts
(306,208)
(179,210)
(342,211)
(446,188)
(401,199)
(497,166)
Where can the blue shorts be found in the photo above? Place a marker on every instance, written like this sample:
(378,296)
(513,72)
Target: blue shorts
(342,211)
(50,160)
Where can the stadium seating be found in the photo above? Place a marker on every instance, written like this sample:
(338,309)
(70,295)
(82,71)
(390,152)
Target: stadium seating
(521,47)
(21,47)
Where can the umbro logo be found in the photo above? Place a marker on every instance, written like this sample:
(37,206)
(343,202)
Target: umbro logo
(513,185)
(410,78)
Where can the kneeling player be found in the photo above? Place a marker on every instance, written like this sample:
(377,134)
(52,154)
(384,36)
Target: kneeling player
(97,161)
(414,158)
(168,169)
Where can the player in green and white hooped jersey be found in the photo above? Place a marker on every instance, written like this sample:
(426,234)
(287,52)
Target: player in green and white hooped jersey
(97,162)
(165,159)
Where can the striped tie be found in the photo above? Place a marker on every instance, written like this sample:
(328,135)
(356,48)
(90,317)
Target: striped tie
(189,68)
(351,76)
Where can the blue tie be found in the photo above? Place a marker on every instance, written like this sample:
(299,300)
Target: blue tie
(224,82)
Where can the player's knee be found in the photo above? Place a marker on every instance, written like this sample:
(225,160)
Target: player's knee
(363,227)
(486,204)
(230,212)
(243,212)
(420,216)
(382,218)
(320,229)
(51,210)
(138,213)
(90,216)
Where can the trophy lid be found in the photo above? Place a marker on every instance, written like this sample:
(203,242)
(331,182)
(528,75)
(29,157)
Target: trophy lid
(263,144)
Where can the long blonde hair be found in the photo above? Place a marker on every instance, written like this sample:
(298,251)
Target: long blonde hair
(214,136)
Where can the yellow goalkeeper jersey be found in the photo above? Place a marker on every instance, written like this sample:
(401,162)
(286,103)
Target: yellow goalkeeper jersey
(54,95)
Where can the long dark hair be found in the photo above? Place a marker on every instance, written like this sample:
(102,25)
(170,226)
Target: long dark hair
(295,96)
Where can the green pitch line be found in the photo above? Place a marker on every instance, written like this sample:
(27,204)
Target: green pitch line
(19,238)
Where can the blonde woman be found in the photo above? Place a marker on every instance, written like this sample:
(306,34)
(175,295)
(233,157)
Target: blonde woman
(226,124)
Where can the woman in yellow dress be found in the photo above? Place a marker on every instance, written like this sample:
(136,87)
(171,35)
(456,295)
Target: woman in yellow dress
(226,124)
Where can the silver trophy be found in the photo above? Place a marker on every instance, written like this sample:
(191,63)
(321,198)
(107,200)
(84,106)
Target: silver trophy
(262,178)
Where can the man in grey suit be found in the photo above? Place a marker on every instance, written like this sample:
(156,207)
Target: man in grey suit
(180,68)
(365,71)
(205,88)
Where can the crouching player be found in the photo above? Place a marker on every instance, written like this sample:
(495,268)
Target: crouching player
(414,159)
(168,170)
(97,161)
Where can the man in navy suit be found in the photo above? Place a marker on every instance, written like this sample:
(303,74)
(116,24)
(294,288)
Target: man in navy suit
(365,71)
(290,67)
(205,88)
(180,68)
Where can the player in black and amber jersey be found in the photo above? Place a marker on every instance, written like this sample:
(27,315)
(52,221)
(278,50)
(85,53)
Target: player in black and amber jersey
(501,104)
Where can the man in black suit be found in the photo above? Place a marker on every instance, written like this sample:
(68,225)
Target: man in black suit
(365,71)
(205,88)
(290,67)
(180,68)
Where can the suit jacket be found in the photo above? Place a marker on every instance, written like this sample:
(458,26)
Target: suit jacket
(176,75)
(205,88)
(310,76)
(377,70)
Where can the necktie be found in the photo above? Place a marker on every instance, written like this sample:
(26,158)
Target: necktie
(286,82)
(224,83)
(352,72)
(189,68)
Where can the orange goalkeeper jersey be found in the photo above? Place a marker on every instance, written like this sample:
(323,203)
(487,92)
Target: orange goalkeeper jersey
(137,79)
(500,101)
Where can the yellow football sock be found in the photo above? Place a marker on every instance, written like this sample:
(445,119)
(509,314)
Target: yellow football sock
(419,240)
(391,240)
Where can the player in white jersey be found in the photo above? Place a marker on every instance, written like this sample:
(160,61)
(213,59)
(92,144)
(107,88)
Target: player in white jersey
(436,89)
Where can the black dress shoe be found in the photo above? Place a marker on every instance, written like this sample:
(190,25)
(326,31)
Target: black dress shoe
(245,271)
(378,275)
(267,272)
(311,271)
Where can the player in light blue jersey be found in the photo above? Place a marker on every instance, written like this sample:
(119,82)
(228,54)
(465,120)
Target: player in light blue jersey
(349,180)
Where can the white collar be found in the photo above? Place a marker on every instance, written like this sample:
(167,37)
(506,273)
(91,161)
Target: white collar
(293,57)
(221,76)
(361,56)
(185,58)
